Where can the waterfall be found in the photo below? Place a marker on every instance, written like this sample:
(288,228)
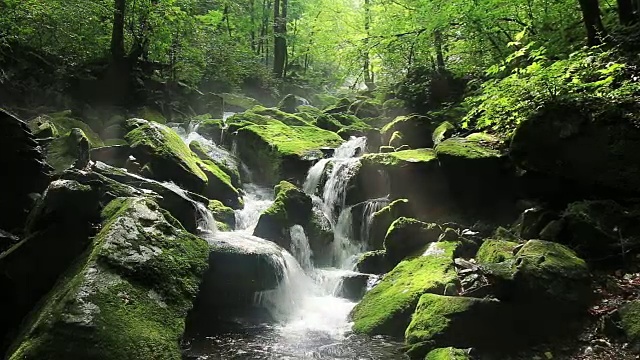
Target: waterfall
(300,247)
(256,200)
(370,208)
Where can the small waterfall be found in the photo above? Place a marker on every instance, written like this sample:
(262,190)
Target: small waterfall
(343,248)
(300,247)
(206,222)
(314,176)
(370,208)
(256,200)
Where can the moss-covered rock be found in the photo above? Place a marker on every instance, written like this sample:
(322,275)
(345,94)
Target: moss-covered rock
(478,175)
(61,123)
(151,114)
(126,297)
(278,151)
(416,131)
(396,140)
(587,146)
(224,216)
(532,221)
(387,308)
(238,102)
(374,262)
(495,251)
(601,230)
(382,220)
(461,322)
(165,157)
(225,161)
(291,102)
(406,236)
(114,155)
(68,151)
(291,206)
(393,108)
(448,354)
(353,286)
(442,132)
(211,129)
(630,320)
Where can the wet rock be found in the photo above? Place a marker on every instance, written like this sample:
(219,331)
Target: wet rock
(68,151)
(407,236)
(374,262)
(291,206)
(24,171)
(225,161)
(382,220)
(211,129)
(387,308)
(353,286)
(7,240)
(278,151)
(532,222)
(444,131)
(141,271)
(320,236)
(224,216)
(61,123)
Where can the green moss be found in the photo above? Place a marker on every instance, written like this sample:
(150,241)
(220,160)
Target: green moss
(277,114)
(387,308)
(63,122)
(406,235)
(447,354)
(65,151)
(224,216)
(444,130)
(150,114)
(495,251)
(238,100)
(211,129)
(630,320)
(397,158)
(126,298)
(203,154)
(465,148)
(433,314)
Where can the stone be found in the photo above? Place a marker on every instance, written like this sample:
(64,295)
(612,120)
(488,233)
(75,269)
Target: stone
(374,262)
(68,151)
(116,155)
(415,131)
(629,315)
(382,220)
(353,286)
(225,216)
(496,251)
(444,131)
(127,298)
(407,236)
(291,102)
(386,309)
(448,354)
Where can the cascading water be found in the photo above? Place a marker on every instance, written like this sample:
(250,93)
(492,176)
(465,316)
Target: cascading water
(310,321)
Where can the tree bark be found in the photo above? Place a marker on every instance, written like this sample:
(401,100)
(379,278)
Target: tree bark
(279,37)
(117,34)
(592,21)
(368,76)
(626,12)
(437,35)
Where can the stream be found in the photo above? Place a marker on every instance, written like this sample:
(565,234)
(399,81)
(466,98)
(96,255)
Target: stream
(307,320)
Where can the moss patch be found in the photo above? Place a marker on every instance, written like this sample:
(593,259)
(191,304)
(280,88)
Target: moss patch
(63,122)
(387,308)
(68,150)
(126,298)
(468,148)
(630,320)
(150,114)
(225,216)
(447,354)
(396,158)
(495,251)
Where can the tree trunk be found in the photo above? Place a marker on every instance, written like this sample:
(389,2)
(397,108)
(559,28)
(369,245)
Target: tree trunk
(437,35)
(592,21)
(626,12)
(279,37)
(368,76)
(117,34)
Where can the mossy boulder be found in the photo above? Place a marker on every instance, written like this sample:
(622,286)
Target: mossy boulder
(630,322)
(442,132)
(61,123)
(68,151)
(415,130)
(406,236)
(461,322)
(353,286)
(58,230)
(494,251)
(114,155)
(403,175)
(532,221)
(545,274)
(291,102)
(165,157)
(374,262)
(587,146)
(224,216)
(126,297)
(211,129)
(223,159)
(396,140)
(365,108)
(393,108)
(382,220)
(237,102)
(151,114)
(291,207)
(260,115)
(278,151)
(601,230)
(479,176)
(387,308)
(448,354)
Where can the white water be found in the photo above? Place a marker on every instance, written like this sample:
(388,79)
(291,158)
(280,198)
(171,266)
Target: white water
(370,208)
